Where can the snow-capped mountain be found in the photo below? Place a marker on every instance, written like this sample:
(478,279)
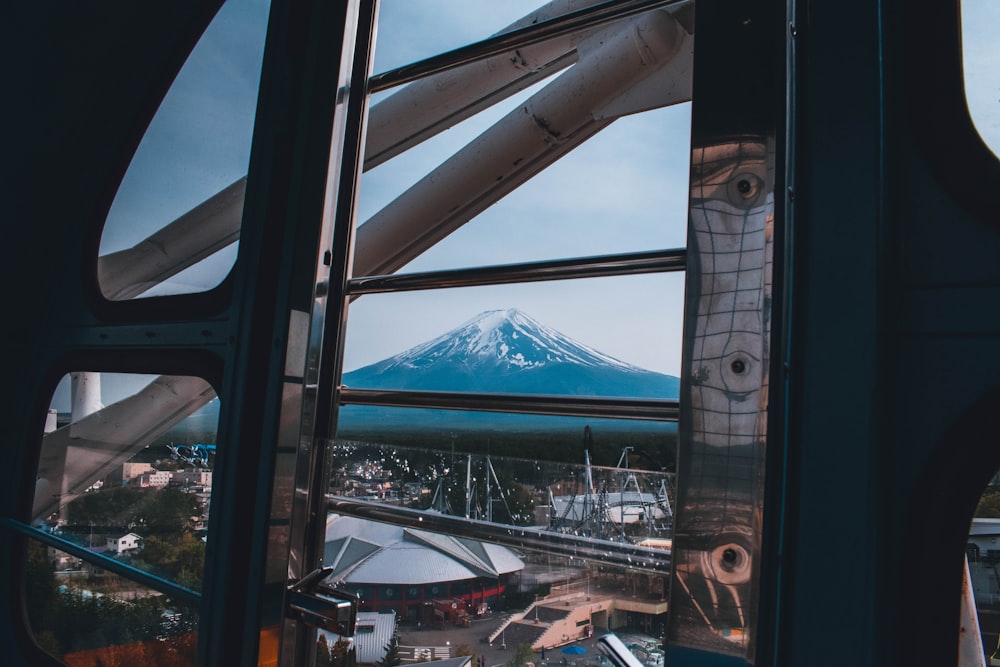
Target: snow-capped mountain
(506,351)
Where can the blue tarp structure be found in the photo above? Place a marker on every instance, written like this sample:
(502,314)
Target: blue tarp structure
(575,649)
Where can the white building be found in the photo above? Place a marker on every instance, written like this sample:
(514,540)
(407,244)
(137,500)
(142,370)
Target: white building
(983,550)
(392,568)
(127,542)
(132,470)
(372,637)
(196,477)
(154,478)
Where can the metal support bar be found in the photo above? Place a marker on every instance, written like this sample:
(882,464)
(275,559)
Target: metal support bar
(334,613)
(650,52)
(658,261)
(563,25)
(528,404)
(315,605)
(175,591)
(605,552)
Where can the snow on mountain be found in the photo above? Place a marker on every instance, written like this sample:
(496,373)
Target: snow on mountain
(507,351)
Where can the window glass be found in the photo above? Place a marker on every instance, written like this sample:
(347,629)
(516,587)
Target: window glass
(174,222)
(86,615)
(443,518)
(624,190)
(457,23)
(983,554)
(627,486)
(626,503)
(980,55)
(125,470)
(558,155)
(624,321)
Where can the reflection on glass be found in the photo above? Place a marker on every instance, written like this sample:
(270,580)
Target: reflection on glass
(126,469)
(724,399)
(85,615)
(176,217)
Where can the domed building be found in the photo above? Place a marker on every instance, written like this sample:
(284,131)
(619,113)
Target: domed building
(406,570)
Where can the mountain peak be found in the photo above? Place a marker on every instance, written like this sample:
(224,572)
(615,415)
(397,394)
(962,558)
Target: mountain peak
(507,351)
(492,345)
(505,340)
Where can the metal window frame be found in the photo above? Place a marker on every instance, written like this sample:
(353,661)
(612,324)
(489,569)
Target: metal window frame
(165,586)
(323,394)
(561,25)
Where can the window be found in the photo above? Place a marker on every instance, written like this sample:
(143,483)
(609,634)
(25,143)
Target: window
(333,477)
(121,512)
(979,57)
(515,208)
(982,558)
(610,315)
(84,614)
(174,224)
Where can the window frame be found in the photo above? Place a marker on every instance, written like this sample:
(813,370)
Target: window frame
(314,465)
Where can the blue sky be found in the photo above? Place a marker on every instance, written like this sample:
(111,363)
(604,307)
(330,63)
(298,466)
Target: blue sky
(981,55)
(624,190)
(198,141)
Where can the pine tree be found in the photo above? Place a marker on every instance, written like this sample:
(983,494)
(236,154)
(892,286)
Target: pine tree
(324,658)
(391,657)
(341,654)
(522,654)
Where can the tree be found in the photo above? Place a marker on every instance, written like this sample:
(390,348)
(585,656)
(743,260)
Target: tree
(341,653)
(391,657)
(182,561)
(82,621)
(324,657)
(108,507)
(464,649)
(40,583)
(167,513)
(989,505)
(522,655)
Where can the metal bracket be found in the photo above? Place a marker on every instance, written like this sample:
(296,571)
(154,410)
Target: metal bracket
(310,602)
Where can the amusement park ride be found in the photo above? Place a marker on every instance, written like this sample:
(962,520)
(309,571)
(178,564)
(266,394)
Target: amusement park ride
(614,507)
(194,455)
